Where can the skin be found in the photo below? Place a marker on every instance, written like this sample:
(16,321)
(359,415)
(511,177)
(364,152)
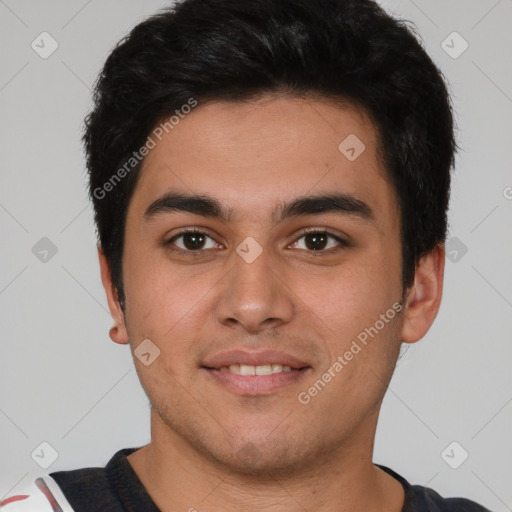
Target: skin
(212,449)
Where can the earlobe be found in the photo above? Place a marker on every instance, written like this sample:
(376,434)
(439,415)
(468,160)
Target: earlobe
(424,297)
(118,333)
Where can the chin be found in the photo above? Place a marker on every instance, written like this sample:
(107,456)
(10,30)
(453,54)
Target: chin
(253,444)
(265,462)
(256,456)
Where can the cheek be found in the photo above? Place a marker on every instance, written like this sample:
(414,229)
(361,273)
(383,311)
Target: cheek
(164,301)
(152,295)
(353,295)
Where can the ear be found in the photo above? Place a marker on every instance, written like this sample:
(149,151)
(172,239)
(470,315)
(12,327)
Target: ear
(118,333)
(424,297)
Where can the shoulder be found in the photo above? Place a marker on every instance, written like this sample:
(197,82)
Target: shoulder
(83,480)
(428,500)
(86,489)
(90,489)
(42,495)
(424,499)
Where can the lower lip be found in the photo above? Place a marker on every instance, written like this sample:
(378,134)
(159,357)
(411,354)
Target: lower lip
(253,385)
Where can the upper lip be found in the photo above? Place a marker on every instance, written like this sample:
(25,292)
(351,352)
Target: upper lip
(259,358)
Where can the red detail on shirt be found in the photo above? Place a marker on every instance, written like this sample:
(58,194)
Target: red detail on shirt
(48,495)
(14,498)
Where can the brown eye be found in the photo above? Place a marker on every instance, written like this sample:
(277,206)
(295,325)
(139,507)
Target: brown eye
(191,241)
(318,241)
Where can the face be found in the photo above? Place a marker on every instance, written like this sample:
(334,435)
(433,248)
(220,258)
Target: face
(305,295)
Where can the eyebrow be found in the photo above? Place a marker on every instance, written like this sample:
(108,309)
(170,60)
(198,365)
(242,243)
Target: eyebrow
(207,206)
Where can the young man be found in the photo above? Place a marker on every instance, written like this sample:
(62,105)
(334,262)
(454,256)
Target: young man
(271,181)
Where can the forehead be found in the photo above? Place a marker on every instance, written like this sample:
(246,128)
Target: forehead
(256,154)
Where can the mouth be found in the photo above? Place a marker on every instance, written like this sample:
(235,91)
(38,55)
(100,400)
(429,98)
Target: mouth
(262,369)
(253,374)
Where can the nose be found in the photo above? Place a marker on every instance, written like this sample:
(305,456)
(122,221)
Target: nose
(255,295)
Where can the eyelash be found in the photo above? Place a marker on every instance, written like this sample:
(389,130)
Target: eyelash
(170,247)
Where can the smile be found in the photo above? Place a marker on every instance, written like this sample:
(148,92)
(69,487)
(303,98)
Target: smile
(264,369)
(258,380)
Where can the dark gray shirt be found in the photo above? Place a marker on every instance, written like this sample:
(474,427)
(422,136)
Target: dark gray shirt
(117,488)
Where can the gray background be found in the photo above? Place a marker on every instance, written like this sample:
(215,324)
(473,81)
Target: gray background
(62,381)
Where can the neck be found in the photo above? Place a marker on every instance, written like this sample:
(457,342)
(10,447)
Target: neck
(178,477)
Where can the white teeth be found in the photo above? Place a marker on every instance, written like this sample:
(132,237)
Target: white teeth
(247,370)
(263,369)
(235,368)
(277,368)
